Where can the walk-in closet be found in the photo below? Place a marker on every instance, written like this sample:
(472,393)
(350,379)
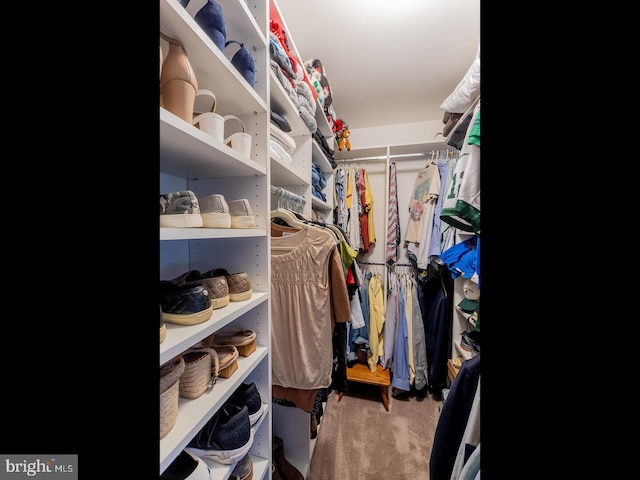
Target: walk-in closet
(301,257)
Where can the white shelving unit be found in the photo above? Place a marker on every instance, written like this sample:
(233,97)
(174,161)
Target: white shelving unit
(191,159)
(290,423)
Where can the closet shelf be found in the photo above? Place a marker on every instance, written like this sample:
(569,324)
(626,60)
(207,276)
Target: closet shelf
(467,316)
(193,413)
(319,158)
(181,337)
(463,353)
(282,104)
(283,174)
(318,203)
(239,98)
(207,233)
(188,152)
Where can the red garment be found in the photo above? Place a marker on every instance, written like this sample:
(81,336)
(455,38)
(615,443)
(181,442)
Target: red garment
(364,213)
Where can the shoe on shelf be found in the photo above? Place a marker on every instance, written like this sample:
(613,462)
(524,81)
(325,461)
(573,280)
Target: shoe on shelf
(227,356)
(243,469)
(228,359)
(239,283)
(470,341)
(243,339)
(247,394)
(184,304)
(226,437)
(180,210)
(170,374)
(241,214)
(217,286)
(199,374)
(283,467)
(178,83)
(186,467)
(163,327)
(215,211)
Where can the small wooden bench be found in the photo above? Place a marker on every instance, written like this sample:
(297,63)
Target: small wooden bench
(381,377)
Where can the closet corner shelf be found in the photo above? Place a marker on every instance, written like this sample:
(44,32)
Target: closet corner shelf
(463,353)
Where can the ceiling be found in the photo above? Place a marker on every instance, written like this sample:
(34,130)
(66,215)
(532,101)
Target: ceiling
(387,61)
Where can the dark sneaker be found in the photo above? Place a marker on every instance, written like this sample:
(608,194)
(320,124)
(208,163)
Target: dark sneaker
(239,283)
(185,304)
(243,470)
(247,395)
(217,286)
(186,467)
(470,341)
(180,210)
(226,437)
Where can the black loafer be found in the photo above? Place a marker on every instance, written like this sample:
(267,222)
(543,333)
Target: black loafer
(185,304)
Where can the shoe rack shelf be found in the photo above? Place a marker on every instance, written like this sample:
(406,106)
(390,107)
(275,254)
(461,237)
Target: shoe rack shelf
(194,413)
(216,69)
(461,322)
(186,152)
(181,337)
(204,233)
(191,159)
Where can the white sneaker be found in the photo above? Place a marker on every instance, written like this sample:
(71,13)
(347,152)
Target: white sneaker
(241,214)
(186,466)
(215,211)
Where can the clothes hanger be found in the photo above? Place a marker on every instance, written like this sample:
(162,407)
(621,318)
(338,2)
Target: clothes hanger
(285,214)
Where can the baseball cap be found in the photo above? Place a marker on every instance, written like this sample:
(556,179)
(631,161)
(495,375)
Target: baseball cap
(469,303)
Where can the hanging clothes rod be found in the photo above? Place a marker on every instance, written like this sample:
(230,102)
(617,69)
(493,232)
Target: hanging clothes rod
(287,195)
(385,264)
(431,153)
(380,157)
(289,200)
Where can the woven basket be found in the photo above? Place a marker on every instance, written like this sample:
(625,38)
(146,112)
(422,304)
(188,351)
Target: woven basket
(170,374)
(196,378)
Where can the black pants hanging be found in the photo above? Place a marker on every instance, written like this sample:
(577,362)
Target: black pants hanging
(436,304)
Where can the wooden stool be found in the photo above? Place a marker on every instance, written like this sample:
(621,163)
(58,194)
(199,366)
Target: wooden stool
(360,373)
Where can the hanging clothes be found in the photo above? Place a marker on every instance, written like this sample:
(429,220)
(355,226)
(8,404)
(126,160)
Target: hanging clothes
(341,213)
(434,249)
(376,322)
(453,420)
(390,322)
(461,208)
(420,379)
(363,216)
(306,276)
(400,365)
(436,294)
(393,219)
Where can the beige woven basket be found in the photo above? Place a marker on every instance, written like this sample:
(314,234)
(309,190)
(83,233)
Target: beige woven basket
(197,376)
(170,374)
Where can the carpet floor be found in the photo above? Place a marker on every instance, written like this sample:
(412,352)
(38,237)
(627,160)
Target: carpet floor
(359,440)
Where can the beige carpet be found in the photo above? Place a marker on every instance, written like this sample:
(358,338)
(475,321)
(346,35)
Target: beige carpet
(359,440)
